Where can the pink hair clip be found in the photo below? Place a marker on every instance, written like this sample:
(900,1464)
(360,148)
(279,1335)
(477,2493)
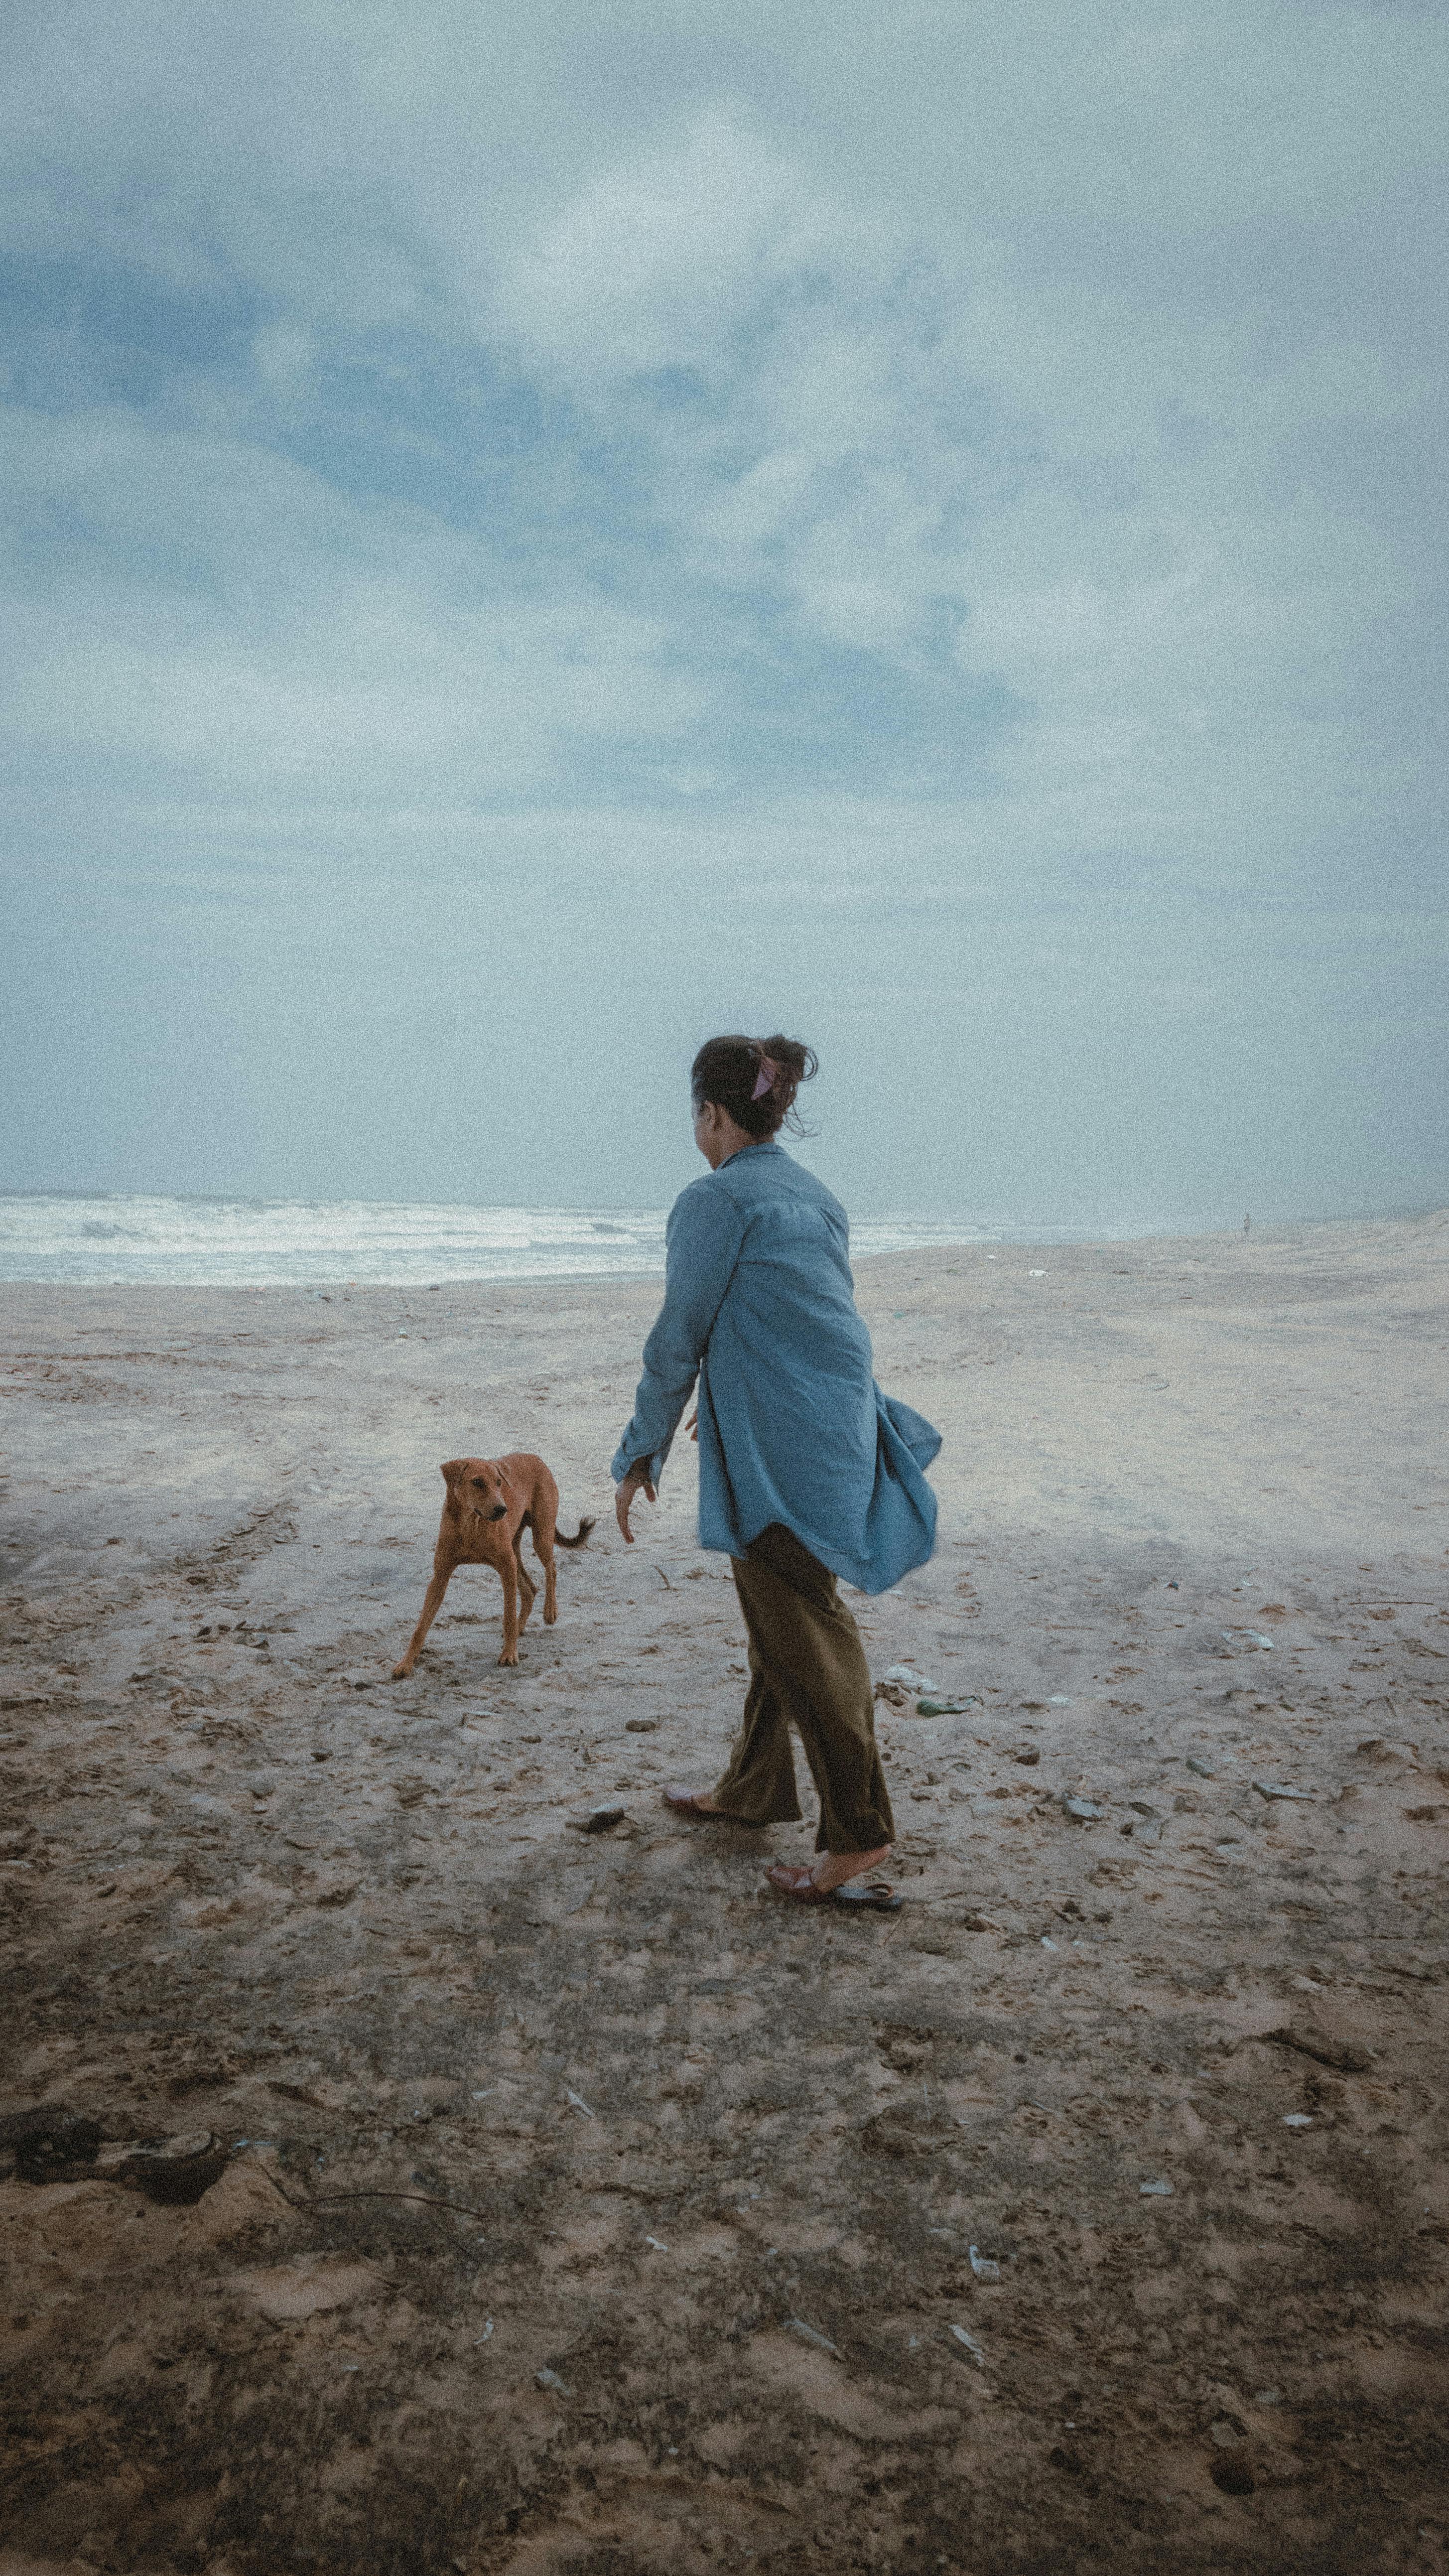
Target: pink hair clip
(765,1079)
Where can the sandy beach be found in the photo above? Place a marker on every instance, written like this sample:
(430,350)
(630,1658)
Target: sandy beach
(582,2206)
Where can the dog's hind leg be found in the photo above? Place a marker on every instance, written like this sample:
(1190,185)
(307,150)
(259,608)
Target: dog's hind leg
(545,1523)
(526,1583)
(432,1604)
(508,1573)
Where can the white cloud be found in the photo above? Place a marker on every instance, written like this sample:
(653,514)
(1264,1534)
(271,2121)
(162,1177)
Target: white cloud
(228,617)
(659,260)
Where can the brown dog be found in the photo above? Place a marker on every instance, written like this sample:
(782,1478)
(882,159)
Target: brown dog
(490,1503)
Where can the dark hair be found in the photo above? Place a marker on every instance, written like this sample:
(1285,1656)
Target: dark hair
(728,1070)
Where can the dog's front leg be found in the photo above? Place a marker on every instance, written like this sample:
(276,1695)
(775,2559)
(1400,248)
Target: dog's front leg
(432,1604)
(508,1577)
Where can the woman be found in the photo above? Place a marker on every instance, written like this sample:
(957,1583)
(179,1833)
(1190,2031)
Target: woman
(806,1471)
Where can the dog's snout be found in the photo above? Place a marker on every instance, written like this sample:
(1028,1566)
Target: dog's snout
(499,1512)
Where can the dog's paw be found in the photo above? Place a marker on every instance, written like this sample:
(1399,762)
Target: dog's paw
(506,1658)
(400,1672)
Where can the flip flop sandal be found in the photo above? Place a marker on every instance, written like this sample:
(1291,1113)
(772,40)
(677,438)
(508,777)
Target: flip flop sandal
(870,1896)
(867,1895)
(685,1802)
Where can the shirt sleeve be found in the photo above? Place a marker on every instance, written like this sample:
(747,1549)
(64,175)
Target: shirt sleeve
(702,1242)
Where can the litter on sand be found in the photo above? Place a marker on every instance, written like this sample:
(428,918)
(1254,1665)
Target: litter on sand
(551,2379)
(1276,1789)
(946,1707)
(807,2334)
(659,2246)
(969,2344)
(483,2337)
(910,1679)
(1253,1636)
(599,1820)
(577,2103)
(1085,1810)
(1297,2120)
(1204,1770)
(982,2265)
(1155,2190)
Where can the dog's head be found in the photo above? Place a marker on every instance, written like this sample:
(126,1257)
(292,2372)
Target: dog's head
(476,1485)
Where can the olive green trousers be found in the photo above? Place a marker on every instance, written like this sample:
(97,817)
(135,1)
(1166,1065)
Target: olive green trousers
(807,1668)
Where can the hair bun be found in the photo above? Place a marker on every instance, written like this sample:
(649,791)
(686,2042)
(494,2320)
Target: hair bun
(754,1080)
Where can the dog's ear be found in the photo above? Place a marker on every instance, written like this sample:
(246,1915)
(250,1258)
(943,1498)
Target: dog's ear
(451,1469)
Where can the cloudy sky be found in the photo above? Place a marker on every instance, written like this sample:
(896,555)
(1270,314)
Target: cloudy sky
(533,534)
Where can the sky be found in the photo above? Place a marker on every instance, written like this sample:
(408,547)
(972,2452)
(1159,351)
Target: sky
(531,536)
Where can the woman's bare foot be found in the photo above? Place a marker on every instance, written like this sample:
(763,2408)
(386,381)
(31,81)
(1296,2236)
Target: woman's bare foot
(833,1869)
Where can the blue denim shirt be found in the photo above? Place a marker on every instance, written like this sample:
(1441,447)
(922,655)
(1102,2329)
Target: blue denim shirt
(759,1305)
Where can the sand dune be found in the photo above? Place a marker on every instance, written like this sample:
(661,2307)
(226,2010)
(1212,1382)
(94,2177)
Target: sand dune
(519,2100)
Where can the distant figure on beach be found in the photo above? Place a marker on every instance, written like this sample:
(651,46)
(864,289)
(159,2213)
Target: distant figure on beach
(807,1473)
(1247,1224)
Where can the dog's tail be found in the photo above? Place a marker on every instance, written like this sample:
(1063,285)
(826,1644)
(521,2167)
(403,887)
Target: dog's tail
(580,1537)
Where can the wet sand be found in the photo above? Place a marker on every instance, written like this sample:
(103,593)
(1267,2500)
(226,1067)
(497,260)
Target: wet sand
(520,2100)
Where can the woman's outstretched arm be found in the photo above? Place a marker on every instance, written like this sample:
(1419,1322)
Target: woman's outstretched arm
(706,1229)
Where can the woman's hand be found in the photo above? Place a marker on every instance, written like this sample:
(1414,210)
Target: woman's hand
(636,1482)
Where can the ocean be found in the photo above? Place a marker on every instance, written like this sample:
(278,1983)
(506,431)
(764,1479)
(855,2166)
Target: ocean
(251,1243)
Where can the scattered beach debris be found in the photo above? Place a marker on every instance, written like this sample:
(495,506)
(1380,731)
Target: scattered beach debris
(969,2344)
(1279,1789)
(599,1820)
(1326,2048)
(1251,1636)
(577,2103)
(641,1725)
(51,2144)
(1047,1943)
(1203,1769)
(1029,1754)
(1297,2120)
(658,2244)
(1155,2190)
(808,2334)
(176,2174)
(982,2264)
(483,2337)
(550,2379)
(1085,1810)
(909,1678)
(946,1707)
(1060,1699)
